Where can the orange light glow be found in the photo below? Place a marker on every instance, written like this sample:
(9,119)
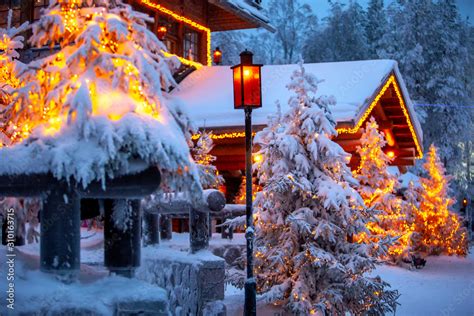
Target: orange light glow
(257,158)
(162,31)
(391,154)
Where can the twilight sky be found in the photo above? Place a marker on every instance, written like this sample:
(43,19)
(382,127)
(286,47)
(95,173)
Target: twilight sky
(321,7)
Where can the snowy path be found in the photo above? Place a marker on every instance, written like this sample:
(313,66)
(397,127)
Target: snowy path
(444,287)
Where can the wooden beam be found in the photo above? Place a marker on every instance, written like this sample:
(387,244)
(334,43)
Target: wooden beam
(403,162)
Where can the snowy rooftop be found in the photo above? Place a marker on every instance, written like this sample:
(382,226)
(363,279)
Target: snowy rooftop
(208,94)
(248,9)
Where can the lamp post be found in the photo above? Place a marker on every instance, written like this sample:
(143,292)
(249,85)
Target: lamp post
(248,96)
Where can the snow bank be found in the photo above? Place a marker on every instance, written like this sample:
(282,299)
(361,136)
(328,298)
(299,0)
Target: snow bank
(95,291)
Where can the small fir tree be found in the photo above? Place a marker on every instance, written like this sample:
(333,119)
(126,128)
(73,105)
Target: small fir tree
(438,230)
(378,188)
(201,152)
(240,197)
(10,42)
(307,213)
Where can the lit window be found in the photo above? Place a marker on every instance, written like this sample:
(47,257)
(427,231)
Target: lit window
(191,45)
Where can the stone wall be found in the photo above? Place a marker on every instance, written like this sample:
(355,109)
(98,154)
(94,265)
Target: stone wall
(194,282)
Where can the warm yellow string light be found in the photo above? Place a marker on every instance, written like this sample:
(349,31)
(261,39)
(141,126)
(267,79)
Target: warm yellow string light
(184,61)
(391,81)
(185,20)
(225,135)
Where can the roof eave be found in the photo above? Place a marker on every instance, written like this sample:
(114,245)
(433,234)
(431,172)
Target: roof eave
(257,20)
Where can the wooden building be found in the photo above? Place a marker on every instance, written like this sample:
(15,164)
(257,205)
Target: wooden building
(362,89)
(185,26)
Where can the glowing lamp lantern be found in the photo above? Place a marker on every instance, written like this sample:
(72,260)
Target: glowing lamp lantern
(391,154)
(248,96)
(464,202)
(217,56)
(161,32)
(247,83)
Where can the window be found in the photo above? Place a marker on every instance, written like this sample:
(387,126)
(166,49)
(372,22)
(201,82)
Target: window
(191,45)
(38,6)
(21,13)
(5,6)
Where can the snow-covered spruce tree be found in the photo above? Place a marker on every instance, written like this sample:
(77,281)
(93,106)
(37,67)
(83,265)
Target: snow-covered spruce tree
(437,229)
(10,42)
(201,152)
(378,189)
(307,214)
(376,26)
(95,105)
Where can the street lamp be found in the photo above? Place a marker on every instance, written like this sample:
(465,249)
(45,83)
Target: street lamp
(248,96)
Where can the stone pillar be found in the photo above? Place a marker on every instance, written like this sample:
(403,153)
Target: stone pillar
(198,230)
(166,227)
(151,229)
(122,236)
(61,233)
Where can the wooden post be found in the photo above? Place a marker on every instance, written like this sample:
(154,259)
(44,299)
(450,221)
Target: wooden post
(152,229)
(166,227)
(60,232)
(122,233)
(198,230)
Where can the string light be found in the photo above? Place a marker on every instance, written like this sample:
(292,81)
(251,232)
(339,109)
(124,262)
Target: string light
(391,81)
(183,60)
(185,20)
(230,135)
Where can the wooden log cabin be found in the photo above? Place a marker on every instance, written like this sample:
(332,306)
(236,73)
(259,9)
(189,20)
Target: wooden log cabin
(362,89)
(185,26)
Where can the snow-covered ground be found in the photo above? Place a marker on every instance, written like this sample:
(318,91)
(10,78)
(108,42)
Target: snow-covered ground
(445,286)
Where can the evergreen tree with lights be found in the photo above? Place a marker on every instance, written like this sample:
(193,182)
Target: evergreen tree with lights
(378,189)
(240,197)
(10,42)
(201,151)
(102,87)
(307,213)
(437,229)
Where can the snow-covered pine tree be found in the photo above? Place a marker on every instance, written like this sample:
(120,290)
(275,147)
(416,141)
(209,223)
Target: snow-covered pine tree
(10,42)
(343,38)
(438,230)
(378,189)
(201,152)
(376,26)
(101,87)
(307,213)
(293,20)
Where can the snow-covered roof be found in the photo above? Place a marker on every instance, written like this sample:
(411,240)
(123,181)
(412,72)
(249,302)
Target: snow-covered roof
(208,92)
(248,9)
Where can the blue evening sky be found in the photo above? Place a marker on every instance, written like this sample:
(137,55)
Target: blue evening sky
(321,7)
